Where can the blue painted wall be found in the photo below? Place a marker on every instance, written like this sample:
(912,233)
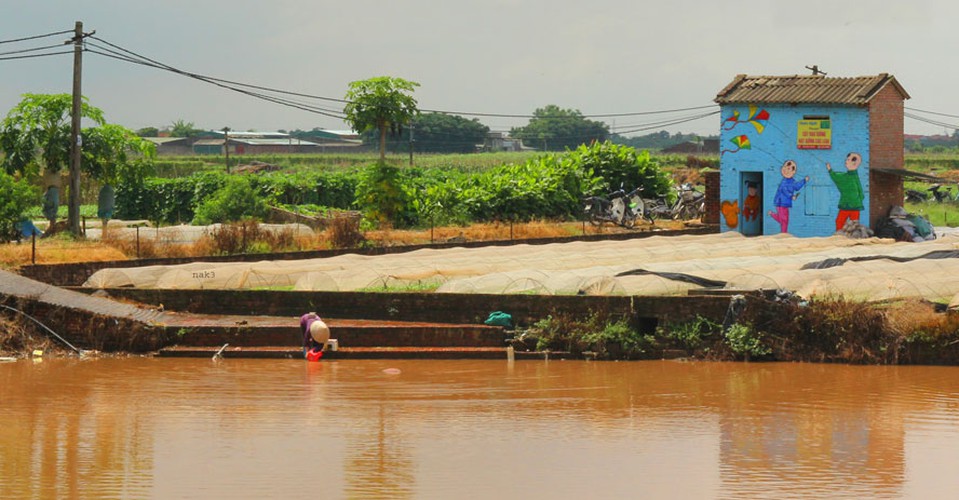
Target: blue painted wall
(814,211)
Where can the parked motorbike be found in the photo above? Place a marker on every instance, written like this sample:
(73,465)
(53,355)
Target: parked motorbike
(619,207)
(690,204)
(916,196)
(940,193)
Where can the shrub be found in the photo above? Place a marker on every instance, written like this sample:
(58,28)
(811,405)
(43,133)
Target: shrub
(15,197)
(617,341)
(344,232)
(746,342)
(690,335)
(380,194)
(233,202)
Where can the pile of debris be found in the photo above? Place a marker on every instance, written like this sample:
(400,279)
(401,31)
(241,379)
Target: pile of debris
(903,226)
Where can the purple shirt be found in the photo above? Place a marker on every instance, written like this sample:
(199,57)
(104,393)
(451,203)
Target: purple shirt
(305,322)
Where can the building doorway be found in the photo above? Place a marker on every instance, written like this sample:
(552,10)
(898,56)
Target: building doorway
(751,201)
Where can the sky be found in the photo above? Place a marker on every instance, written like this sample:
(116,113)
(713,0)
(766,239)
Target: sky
(484,57)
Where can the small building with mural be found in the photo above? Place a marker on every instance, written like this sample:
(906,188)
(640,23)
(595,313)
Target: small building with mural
(804,154)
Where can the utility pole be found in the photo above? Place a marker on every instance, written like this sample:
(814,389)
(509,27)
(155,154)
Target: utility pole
(73,209)
(411,143)
(226,147)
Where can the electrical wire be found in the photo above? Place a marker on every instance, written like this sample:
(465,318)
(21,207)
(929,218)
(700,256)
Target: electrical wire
(228,83)
(931,122)
(931,112)
(284,101)
(276,100)
(36,36)
(35,49)
(11,58)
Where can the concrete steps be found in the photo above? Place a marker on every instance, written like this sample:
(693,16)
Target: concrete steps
(202,335)
(274,352)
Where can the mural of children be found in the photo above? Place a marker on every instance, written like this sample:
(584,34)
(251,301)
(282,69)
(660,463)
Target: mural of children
(787,192)
(850,190)
(751,203)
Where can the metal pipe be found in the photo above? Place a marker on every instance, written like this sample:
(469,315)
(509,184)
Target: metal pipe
(45,327)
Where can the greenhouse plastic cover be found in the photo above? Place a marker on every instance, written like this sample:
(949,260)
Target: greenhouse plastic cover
(659,265)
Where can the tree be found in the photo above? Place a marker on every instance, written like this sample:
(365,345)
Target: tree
(181,128)
(556,129)
(148,132)
(443,133)
(382,103)
(15,196)
(35,137)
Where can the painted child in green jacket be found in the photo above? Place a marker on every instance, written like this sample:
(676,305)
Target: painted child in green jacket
(850,190)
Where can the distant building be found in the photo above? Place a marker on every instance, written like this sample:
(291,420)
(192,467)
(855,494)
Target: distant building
(172,146)
(706,147)
(501,141)
(777,131)
(213,142)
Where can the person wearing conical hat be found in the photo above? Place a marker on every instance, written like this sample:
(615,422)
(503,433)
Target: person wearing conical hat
(315,332)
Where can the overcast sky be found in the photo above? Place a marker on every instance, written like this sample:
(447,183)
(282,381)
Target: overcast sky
(494,56)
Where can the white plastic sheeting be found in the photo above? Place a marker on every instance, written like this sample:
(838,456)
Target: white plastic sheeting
(592,268)
(181,234)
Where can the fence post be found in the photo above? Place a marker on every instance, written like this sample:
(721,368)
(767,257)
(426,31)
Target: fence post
(33,253)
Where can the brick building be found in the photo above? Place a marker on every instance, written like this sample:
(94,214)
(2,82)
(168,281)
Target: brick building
(804,154)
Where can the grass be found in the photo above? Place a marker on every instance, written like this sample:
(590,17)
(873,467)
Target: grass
(64,248)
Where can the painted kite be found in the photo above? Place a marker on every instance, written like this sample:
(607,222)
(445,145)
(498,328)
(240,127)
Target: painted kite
(757,118)
(741,142)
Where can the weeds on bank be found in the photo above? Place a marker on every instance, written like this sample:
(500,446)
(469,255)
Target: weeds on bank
(603,336)
(835,329)
(19,339)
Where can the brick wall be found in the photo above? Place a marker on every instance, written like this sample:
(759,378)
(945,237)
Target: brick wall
(886,129)
(646,312)
(712,197)
(885,151)
(887,192)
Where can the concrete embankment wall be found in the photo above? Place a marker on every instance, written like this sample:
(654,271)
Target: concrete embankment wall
(644,312)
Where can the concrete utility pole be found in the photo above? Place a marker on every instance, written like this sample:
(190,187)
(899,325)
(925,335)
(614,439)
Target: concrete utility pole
(73,209)
(411,143)
(226,147)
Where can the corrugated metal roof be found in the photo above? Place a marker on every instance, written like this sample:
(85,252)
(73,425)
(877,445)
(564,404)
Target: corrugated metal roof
(806,89)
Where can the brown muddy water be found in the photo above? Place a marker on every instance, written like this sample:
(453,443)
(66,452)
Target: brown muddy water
(173,428)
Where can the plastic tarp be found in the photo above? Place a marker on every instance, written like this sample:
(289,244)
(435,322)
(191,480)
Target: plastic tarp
(871,268)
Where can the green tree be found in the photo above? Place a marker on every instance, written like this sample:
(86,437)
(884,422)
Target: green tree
(555,129)
(35,137)
(182,128)
(618,165)
(148,132)
(382,103)
(443,133)
(15,197)
(233,202)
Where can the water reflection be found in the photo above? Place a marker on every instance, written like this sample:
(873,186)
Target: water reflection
(441,429)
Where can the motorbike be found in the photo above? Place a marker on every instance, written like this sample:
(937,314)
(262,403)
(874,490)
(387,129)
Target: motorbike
(689,204)
(940,193)
(619,207)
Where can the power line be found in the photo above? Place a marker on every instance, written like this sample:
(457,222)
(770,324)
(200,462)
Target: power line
(36,36)
(34,49)
(932,112)
(141,58)
(277,100)
(608,115)
(35,55)
(931,122)
(150,63)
